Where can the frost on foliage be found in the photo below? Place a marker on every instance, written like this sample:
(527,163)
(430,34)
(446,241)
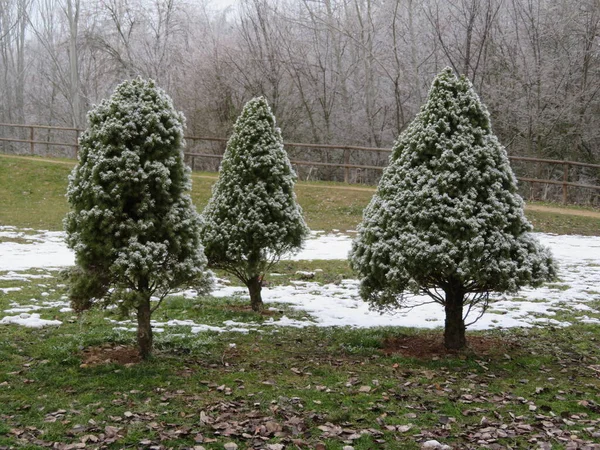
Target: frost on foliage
(132,223)
(253,218)
(446,210)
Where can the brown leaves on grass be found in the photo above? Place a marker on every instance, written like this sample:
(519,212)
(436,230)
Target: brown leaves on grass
(239,420)
(348,435)
(100,439)
(402,402)
(544,432)
(286,422)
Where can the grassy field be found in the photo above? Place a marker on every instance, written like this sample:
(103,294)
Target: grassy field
(32,194)
(81,385)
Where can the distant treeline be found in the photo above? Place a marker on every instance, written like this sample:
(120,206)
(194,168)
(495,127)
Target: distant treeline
(334,71)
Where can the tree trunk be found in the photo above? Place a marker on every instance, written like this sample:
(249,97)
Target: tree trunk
(144,331)
(255,287)
(72,12)
(454,333)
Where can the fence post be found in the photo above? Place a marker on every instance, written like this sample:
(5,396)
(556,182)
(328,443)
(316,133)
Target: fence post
(565,181)
(346,168)
(76,144)
(31,138)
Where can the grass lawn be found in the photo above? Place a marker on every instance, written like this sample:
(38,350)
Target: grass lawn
(379,388)
(32,194)
(81,385)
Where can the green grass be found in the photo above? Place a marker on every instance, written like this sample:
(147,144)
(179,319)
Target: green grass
(33,195)
(563,223)
(335,386)
(302,381)
(561,205)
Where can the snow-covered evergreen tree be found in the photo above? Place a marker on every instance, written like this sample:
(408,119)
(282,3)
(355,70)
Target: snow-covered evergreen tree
(132,224)
(446,219)
(252,218)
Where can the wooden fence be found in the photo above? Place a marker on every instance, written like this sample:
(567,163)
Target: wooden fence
(31,140)
(332,158)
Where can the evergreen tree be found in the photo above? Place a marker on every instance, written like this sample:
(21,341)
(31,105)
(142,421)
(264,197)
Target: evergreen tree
(132,223)
(252,218)
(446,219)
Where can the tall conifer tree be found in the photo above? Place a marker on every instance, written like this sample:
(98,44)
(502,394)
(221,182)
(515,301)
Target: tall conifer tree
(252,218)
(132,223)
(446,219)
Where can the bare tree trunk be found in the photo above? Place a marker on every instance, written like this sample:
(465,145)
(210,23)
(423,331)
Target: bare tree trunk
(413,53)
(254,287)
(13,29)
(144,331)
(365,50)
(454,333)
(72,13)
(22,10)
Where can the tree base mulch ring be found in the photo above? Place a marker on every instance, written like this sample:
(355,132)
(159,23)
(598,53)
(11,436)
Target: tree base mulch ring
(110,354)
(428,346)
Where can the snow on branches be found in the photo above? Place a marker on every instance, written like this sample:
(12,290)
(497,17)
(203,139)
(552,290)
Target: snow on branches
(132,223)
(446,219)
(253,218)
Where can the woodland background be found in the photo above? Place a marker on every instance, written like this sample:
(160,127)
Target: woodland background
(334,71)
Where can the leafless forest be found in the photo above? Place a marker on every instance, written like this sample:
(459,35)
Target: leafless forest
(335,71)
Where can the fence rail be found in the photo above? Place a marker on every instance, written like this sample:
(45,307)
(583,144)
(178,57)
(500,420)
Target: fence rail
(344,155)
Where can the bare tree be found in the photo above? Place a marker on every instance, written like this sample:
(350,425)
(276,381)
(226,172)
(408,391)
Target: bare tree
(335,71)
(14,16)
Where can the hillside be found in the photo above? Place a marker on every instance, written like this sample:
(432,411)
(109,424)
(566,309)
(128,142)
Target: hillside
(32,195)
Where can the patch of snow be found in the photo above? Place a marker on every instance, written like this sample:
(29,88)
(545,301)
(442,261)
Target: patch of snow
(14,276)
(200,328)
(340,305)
(10,289)
(304,274)
(18,308)
(22,309)
(29,321)
(45,249)
(326,246)
(586,319)
(285,321)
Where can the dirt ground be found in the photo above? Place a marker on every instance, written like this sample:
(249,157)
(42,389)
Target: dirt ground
(431,346)
(110,354)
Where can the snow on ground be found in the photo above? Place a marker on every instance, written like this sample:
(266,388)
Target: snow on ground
(29,320)
(10,289)
(324,246)
(331,304)
(47,249)
(43,249)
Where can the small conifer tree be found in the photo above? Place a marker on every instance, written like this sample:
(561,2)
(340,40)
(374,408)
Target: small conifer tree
(446,219)
(252,218)
(132,223)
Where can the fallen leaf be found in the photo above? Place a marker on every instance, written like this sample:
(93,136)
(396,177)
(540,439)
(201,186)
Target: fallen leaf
(275,446)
